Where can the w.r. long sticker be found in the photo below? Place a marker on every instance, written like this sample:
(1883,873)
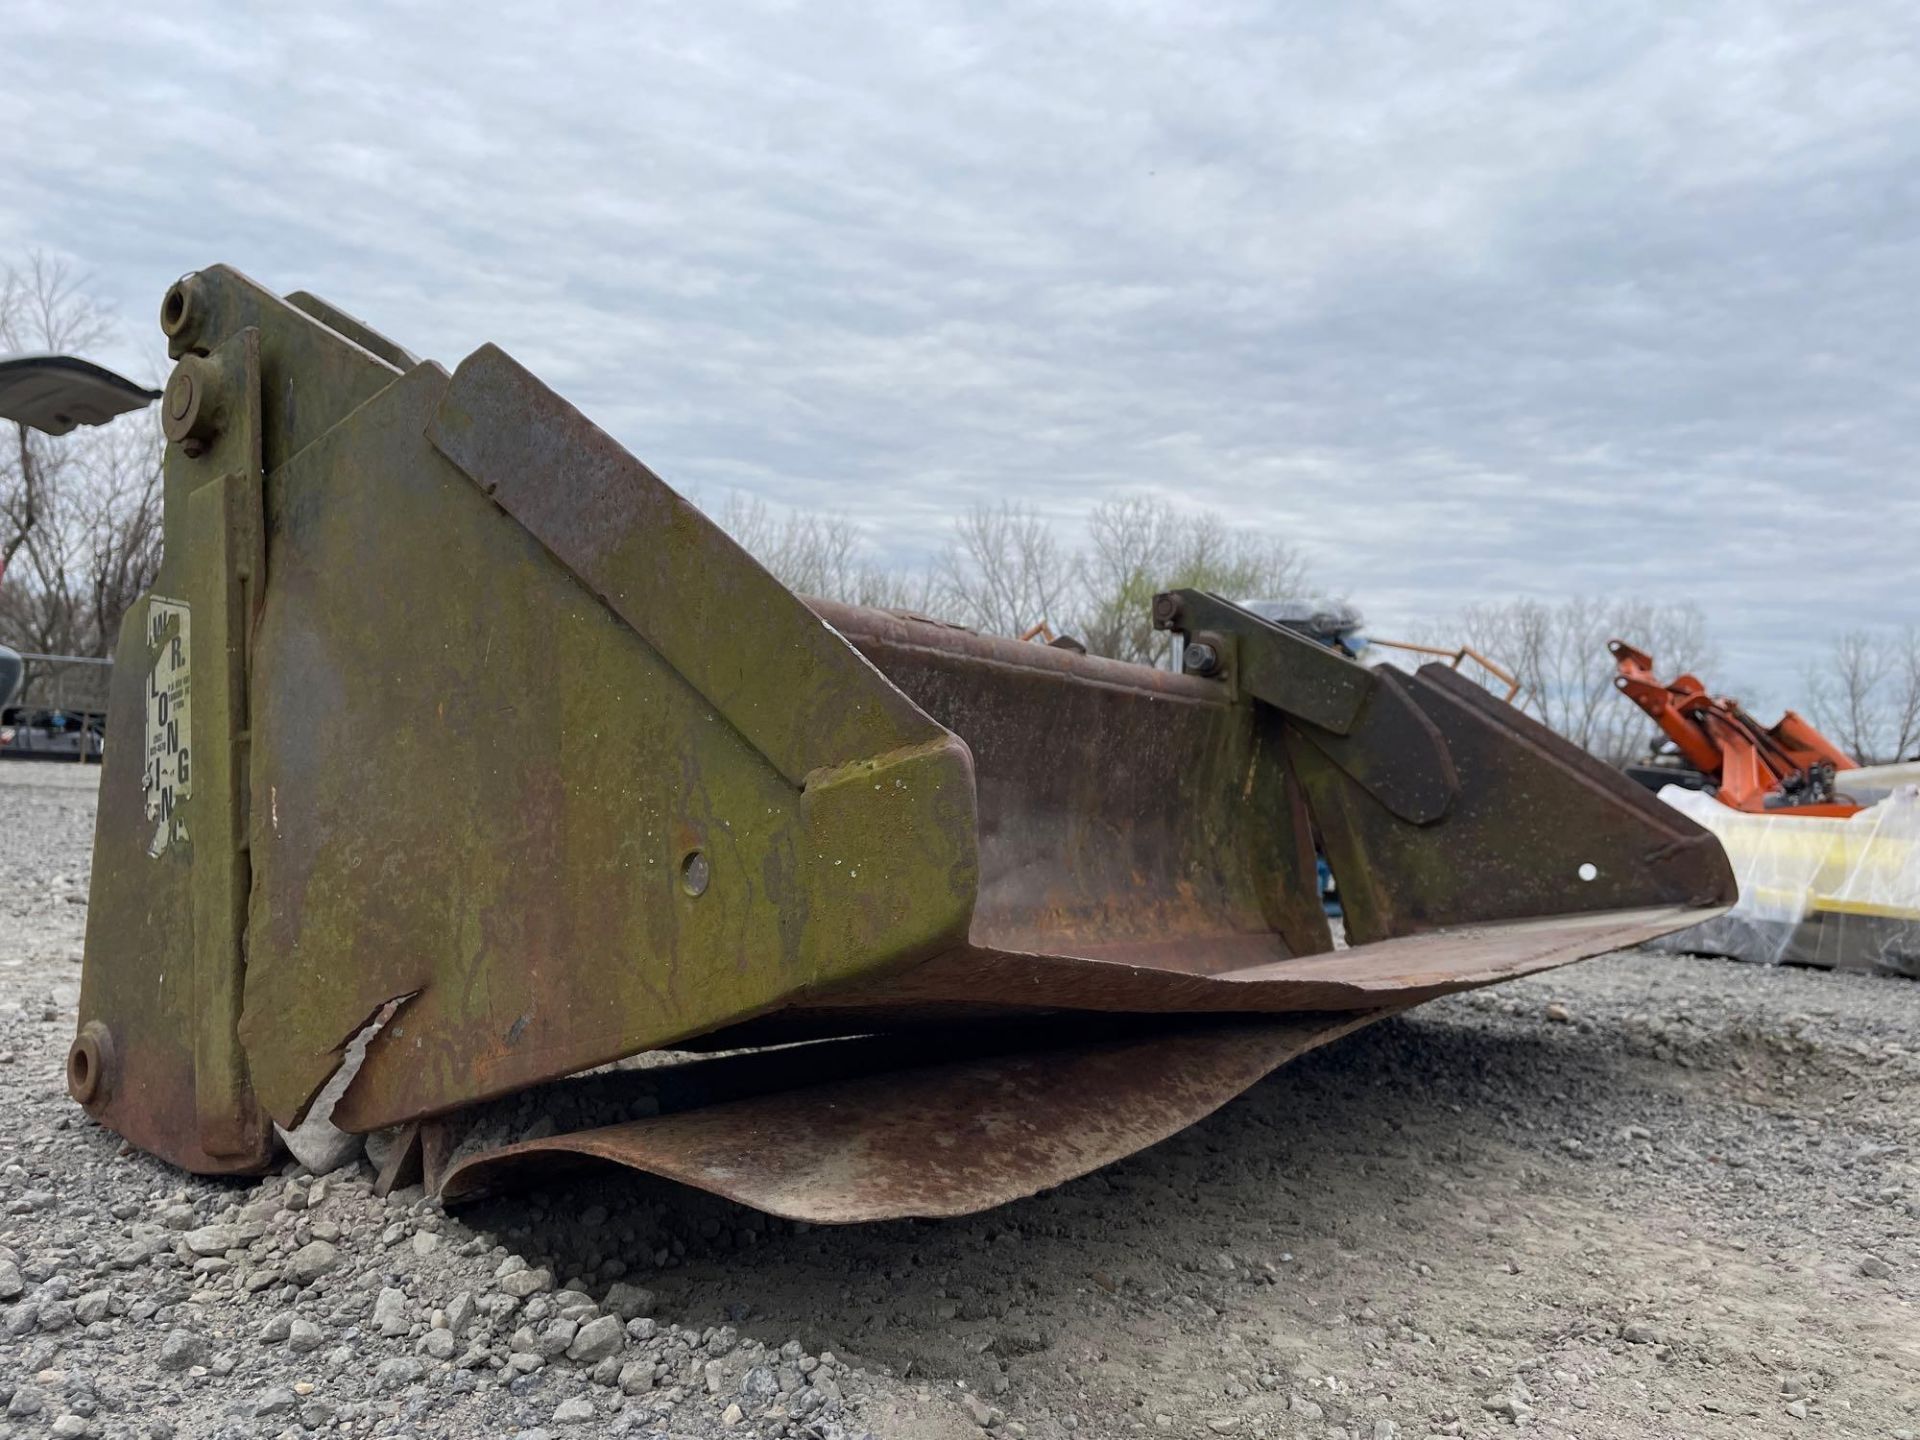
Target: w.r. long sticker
(169,761)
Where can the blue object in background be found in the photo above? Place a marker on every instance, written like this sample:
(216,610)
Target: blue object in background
(1329,890)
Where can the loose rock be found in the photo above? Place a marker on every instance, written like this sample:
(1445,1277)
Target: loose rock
(391,1313)
(576,1410)
(522,1283)
(597,1340)
(397,1374)
(182,1349)
(312,1260)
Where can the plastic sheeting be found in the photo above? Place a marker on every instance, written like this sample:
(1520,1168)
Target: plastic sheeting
(1835,893)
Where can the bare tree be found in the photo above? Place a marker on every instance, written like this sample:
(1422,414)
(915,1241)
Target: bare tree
(79,513)
(1138,547)
(1864,693)
(821,555)
(1128,556)
(42,309)
(120,506)
(1903,696)
(1845,696)
(1558,653)
(1003,571)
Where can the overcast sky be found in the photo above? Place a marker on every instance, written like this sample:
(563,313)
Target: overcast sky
(1469,298)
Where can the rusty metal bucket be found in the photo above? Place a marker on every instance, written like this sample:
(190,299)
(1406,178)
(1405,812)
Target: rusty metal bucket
(444,707)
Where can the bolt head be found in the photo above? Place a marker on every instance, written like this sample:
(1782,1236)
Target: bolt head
(190,408)
(180,396)
(1200,658)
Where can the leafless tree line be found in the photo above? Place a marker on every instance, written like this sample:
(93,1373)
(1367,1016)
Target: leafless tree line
(1558,653)
(1006,569)
(821,555)
(1864,694)
(79,513)
(1862,691)
(80,538)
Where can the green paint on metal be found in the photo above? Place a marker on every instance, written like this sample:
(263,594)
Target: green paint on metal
(487,719)
(475,783)
(224,578)
(165,926)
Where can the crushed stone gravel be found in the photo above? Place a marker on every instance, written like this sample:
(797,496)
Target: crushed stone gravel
(1645,1196)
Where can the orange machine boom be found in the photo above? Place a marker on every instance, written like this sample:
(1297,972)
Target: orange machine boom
(1786,768)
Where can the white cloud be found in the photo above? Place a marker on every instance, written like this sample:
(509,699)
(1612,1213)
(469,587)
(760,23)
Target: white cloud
(1473,299)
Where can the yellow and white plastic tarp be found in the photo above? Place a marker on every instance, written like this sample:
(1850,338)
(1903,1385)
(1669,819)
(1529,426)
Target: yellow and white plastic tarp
(1817,891)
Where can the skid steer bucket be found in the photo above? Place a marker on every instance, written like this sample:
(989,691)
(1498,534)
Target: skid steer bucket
(449,729)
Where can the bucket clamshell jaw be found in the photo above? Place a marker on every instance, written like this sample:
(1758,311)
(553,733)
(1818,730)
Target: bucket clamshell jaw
(449,728)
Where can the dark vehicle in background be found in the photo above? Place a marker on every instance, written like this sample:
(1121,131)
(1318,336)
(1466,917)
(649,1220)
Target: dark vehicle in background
(29,732)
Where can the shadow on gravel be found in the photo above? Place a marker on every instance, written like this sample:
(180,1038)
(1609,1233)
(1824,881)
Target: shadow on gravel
(1339,1129)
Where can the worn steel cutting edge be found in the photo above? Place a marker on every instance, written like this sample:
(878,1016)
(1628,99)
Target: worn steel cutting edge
(450,728)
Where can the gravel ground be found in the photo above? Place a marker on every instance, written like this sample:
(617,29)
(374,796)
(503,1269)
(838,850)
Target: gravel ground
(1645,1196)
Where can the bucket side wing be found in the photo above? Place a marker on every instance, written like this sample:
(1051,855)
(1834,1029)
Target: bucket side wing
(559,802)
(545,753)
(1540,828)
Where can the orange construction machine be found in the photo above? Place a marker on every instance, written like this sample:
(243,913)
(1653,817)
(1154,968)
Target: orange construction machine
(1786,768)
